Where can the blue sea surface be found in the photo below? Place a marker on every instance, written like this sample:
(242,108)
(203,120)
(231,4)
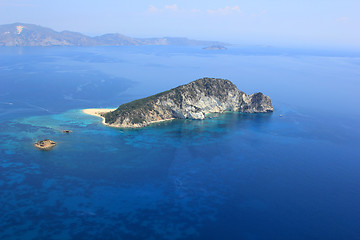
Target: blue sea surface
(290,174)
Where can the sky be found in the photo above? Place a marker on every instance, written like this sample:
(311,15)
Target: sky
(268,22)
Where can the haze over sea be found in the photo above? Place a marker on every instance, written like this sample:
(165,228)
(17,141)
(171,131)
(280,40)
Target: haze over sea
(290,174)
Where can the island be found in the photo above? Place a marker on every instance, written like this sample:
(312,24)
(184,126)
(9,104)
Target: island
(46,144)
(215,47)
(190,101)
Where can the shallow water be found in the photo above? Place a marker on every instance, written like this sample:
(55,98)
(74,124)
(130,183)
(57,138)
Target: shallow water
(291,174)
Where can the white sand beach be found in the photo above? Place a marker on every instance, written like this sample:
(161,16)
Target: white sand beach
(97,112)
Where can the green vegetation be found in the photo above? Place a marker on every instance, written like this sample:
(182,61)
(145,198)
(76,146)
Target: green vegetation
(140,105)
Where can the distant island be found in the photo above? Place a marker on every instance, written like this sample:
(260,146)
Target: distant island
(215,47)
(190,101)
(22,34)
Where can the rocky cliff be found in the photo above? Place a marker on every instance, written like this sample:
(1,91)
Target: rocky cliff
(192,101)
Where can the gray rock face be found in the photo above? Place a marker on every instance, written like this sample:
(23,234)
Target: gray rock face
(192,101)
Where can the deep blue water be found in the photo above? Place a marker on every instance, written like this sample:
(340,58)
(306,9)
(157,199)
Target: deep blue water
(292,174)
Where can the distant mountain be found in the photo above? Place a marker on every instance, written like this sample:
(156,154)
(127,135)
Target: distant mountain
(21,34)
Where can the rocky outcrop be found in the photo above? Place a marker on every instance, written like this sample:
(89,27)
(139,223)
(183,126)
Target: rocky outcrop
(192,101)
(46,144)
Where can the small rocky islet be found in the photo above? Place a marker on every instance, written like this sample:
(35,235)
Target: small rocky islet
(190,101)
(46,144)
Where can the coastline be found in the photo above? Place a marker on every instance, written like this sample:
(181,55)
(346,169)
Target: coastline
(98,111)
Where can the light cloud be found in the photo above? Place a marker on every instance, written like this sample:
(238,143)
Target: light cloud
(259,14)
(153,9)
(225,11)
(343,19)
(194,10)
(166,8)
(173,7)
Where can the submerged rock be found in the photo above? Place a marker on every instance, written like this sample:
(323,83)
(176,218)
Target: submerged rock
(191,101)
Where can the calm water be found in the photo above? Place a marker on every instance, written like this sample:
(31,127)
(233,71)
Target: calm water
(292,174)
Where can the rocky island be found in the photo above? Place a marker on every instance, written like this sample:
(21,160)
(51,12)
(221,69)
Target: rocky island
(46,144)
(190,101)
(215,47)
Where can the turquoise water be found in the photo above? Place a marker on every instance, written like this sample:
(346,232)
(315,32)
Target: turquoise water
(291,174)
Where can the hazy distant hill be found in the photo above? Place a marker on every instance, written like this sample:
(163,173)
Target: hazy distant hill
(21,34)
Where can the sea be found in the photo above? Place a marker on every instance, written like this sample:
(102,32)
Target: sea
(292,174)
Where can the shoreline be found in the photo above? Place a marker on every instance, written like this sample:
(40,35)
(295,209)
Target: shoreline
(98,111)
